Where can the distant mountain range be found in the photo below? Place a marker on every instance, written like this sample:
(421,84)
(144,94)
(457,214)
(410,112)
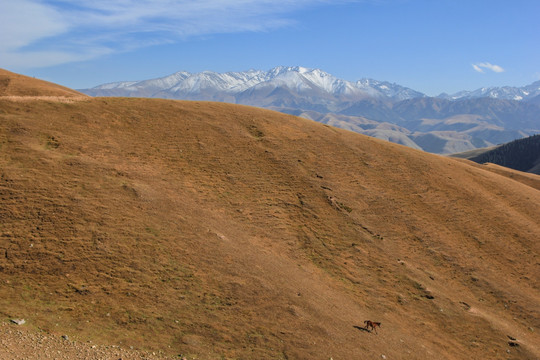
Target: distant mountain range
(526,93)
(443,124)
(314,84)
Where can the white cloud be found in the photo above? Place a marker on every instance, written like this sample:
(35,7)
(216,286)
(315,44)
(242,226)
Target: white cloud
(39,30)
(485,65)
(23,22)
(477,68)
(32,59)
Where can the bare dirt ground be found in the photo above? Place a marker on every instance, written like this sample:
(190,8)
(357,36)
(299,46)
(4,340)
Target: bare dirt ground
(18,343)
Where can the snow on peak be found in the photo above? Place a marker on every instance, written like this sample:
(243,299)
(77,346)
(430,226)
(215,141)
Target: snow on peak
(298,78)
(116,85)
(506,92)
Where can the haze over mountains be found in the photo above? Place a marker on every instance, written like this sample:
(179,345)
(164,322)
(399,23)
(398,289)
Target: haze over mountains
(443,124)
(218,231)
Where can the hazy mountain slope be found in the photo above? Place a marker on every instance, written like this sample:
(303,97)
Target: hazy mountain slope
(443,126)
(362,125)
(218,230)
(535,100)
(511,115)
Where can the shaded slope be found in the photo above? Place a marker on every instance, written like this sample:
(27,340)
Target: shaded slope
(221,230)
(521,154)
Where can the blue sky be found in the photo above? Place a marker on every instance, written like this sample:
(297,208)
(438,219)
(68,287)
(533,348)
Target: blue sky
(432,46)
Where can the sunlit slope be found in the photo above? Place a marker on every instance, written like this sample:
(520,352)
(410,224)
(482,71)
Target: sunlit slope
(15,85)
(219,230)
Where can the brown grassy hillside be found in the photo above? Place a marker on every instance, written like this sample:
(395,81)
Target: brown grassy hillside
(15,86)
(224,231)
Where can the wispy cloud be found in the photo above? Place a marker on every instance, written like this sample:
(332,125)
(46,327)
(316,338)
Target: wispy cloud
(49,32)
(485,65)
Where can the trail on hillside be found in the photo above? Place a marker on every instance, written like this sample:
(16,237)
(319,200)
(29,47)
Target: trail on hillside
(60,99)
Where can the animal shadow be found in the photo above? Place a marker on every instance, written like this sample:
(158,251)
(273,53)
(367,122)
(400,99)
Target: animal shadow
(361,328)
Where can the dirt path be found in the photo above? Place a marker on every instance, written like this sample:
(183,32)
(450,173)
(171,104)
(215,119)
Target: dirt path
(62,99)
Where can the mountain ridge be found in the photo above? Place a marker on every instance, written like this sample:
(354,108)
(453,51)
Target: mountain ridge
(390,90)
(295,77)
(434,124)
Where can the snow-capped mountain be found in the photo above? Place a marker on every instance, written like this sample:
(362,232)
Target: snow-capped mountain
(390,90)
(524,93)
(214,85)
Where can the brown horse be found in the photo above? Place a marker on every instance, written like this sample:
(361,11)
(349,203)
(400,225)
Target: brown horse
(372,324)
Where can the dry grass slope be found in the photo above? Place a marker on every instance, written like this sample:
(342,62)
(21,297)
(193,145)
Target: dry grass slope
(16,86)
(224,231)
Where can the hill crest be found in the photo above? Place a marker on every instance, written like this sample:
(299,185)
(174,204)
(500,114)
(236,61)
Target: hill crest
(18,86)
